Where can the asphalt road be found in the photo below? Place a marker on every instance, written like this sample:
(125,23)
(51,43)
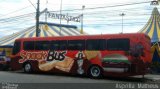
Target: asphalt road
(51,81)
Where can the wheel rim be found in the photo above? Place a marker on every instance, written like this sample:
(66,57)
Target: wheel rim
(27,67)
(95,71)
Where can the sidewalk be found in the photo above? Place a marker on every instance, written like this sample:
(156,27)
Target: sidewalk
(153,77)
(150,78)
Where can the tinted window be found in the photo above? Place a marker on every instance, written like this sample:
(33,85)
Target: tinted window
(76,45)
(42,45)
(28,45)
(98,44)
(16,48)
(63,45)
(54,45)
(59,45)
(118,44)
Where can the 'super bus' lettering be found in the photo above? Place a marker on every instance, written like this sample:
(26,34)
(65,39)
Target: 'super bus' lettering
(32,56)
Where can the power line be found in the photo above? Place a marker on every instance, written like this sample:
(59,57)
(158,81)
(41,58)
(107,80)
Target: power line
(94,14)
(22,16)
(17,17)
(94,7)
(119,5)
(15,11)
(32,4)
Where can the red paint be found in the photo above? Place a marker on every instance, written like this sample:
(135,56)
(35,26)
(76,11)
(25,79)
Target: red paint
(39,57)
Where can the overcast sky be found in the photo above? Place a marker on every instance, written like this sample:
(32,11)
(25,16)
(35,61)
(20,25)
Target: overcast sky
(14,14)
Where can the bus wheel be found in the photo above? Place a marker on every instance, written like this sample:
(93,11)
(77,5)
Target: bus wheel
(95,71)
(27,67)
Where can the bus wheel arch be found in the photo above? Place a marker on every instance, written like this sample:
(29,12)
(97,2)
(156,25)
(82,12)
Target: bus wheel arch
(95,71)
(27,67)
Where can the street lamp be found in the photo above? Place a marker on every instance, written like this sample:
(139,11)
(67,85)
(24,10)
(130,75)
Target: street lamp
(122,14)
(82,20)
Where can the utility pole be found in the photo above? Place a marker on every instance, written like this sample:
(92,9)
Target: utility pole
(46,11)
(37,20)
(46,15)
(60,18)
(122,14)
(83,7)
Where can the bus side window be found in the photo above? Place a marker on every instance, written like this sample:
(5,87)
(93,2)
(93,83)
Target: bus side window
(63,45)
(102,44)
(42,45)
(54,45)
(118,44)
(96,44)
(28,45)
(58,45)
(16,48)
(76,45)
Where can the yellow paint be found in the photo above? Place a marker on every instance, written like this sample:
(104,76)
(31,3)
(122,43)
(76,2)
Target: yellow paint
(46,27)
(34,34)
(27,34)
(91,54)
(67,30)
(51,32)
(11,41)
(8,51)
(155,47)
(147,26)
(42,33)
(158,31)
(48,34)
(58,29)
(152,29)
(81,31)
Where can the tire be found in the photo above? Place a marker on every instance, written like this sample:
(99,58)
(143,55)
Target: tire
(95,72)
(27,68)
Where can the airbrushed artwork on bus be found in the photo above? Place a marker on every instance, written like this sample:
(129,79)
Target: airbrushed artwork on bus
(116,58)
(64,61)
(55,59)
(49,59)
(97,55)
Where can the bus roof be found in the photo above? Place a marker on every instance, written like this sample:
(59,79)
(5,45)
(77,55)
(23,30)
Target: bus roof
(101,36)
